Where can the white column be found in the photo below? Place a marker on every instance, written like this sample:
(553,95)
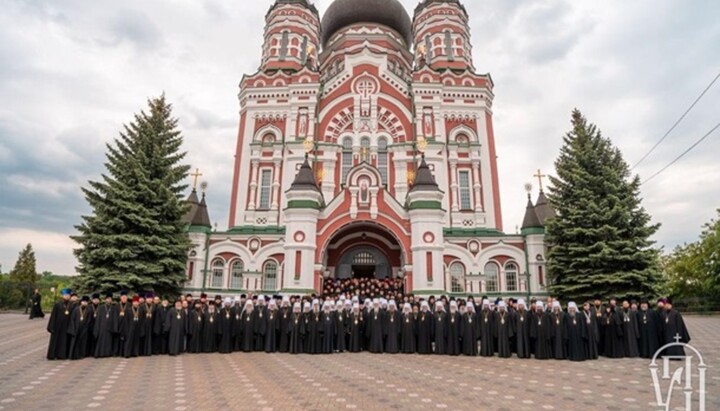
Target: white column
(253,184)
(454,185)
(276,185)
(477,186)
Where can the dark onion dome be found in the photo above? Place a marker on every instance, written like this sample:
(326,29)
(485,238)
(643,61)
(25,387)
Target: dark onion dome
(424,179)
(305,178)
(343,13)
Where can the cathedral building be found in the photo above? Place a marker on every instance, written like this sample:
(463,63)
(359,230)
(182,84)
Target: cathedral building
(366,148)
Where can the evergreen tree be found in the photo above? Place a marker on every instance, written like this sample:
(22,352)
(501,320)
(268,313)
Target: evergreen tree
(135,238)
(600,240)
(25,270)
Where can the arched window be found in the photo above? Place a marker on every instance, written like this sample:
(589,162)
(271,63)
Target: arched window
(346,158)
(462,140)
(269,275)
(491,277)
(382,162)
(236,275)
(365,150)
(363,258)
(218,269)
(457,278)
(511,276)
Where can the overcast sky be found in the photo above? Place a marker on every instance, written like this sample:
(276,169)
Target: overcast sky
(73,71)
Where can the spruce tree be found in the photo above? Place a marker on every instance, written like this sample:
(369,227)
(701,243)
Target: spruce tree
(25,268)
(600,240)
(135,238)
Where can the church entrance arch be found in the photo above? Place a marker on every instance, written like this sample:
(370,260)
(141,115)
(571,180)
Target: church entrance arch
(363,250)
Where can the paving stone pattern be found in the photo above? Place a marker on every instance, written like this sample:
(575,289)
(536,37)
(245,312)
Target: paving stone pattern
(265,382)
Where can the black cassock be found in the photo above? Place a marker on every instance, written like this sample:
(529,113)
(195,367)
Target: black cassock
(160,339)
(470,333)
(119,343)
(272,328)
(248,330)
(392,330)
(176,329)
(597,313)
(356,332)
(105,329)
(261,327)
(195,330)
(425,329)
(59,346)
(36,310)
(673,327)
(148,313)
(631,334)
(374,330)
(593,335)
(328,331)
(80,332)
(408,335)
(576,331)
(559,335)
(613,345)
(211,327)
(236,334)
(440,332)
(227,330)
(341,324)
(453,333)
(312,333)
(131,328)
(541,335)
(487,332)
(284,329)
(504,331)
(521,320)
(650,331)
(295,330)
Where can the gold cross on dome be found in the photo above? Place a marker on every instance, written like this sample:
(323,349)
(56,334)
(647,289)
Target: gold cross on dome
(195,176)
(540,177)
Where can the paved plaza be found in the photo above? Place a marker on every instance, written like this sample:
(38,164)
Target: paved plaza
(261,381)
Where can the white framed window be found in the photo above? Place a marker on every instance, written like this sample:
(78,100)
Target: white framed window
(218,269)
(265,189)
(492,273)
(465,198)
(511,276)
(236,274)
(269,275)
(346,158)
(382,160)
(457,278)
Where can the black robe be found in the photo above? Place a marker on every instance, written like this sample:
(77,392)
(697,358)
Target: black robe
(577,333)
(236,314)
(673,327)
(36,309)
(147,313)
(176,329)
(248,330)
(598,313)
(613,346)
(104,330)
(374,331)
(453,333)
(313,339)
(79,331)
(592,342)
(541,335)
(470,334)
(59,347)
(356,332)
(130,329)
(503,332)
(631,334)
(160,338)
(272,328)
(211,330)
(521,320)
(559,335)
(650,327)
(392,328)
(260,327)
(296,331)
(284,329)
(195,332)
(227,330)
(408,335)
(328,331)
(341,324)
(487,320)
(440,332)
(425,329)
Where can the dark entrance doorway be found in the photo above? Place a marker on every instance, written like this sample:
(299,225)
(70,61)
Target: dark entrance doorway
(363,271)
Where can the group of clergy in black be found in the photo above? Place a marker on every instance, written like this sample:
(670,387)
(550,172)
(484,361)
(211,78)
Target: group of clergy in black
(144,326)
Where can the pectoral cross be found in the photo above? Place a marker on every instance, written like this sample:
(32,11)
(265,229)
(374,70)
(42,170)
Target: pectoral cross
(195,176)
(540,177)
